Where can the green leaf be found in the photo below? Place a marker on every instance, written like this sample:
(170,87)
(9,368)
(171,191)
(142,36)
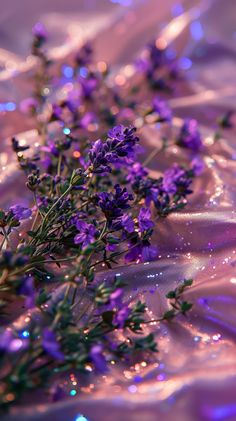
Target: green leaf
(168,315)
(43,297)
(185,306)
(171,294)
(32,234)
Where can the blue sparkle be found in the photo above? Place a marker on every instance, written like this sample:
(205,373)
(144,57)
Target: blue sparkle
(132,388)
(138,379)
(73,392)
(66,130)
(83,71)
(177,10)
(185,63)
(196,30)
(25,334)
(68,71)
(10,106)
(197,338)
(222,412)
(80,417)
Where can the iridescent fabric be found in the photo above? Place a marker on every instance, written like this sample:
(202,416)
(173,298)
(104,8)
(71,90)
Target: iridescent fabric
(193,377)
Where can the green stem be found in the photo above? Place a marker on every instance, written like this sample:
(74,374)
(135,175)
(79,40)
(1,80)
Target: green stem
(59,315)
(66,192)
(4,239)
(58,173)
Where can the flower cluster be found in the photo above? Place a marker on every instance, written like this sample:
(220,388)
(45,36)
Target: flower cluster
(93,205)
(119,144)
(189,136)
(158,65)
(162,110)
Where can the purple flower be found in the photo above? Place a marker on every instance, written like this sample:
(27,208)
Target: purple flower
(144,219)
(121,309)
(155,58)
(98,358)
(27,289)
(127,223)
(100,158)
(121,316)
(29,105)
(88,86)
(113,204)
(162,109)
(157,65)
(72,105)
(149,252)
(54,147)
(46,162)
(56,112)
(50,344)
(40,32)
(134,253)
(172,177)
(88,118)
(151,194)
(123,140)
(111,247)
(142,65)
(116,298)
(189,136)
(197,166)
(84,55)
(136,171)
(120,143)
(143,251)
(87,233)
(51,148)
(146,188)
(156,55)
(20,212)
(6,338)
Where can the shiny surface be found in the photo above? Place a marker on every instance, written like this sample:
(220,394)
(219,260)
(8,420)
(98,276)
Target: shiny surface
(193,377)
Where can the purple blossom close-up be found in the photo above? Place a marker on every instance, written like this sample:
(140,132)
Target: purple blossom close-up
(189,135)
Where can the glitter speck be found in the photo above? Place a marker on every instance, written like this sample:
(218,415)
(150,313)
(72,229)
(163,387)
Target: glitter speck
(132,388)
(68,72)
(25,334)
(76,154)
(81,417)
(73,392)
(197,338)
(66,130)
(10,106)
(216,337)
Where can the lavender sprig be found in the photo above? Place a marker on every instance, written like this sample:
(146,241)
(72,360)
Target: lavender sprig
(94,205)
